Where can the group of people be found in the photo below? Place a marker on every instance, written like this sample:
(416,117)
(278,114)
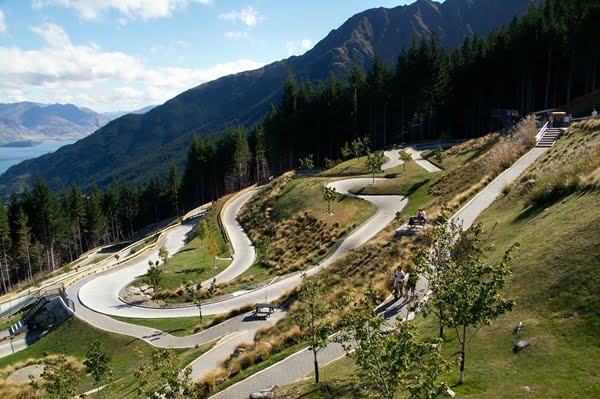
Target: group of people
(405,282)
(564,120)
(420,218)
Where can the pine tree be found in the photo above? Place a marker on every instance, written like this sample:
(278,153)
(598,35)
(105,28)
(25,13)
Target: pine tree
(174,187)
(260,154)
(47,219)
(96,226)
(76,213)
(5,245)
(111,205)
(24,244)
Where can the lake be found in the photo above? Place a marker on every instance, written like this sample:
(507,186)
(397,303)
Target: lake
(12,156)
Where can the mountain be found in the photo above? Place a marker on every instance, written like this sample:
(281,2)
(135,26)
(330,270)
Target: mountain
(34,122)
(118,114)
(136,147)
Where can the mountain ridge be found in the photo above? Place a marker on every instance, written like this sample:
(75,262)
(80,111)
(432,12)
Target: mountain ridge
(126,148)
(30,121)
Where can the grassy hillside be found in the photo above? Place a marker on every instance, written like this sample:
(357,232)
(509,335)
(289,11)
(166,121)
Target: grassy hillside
(289,224)
(553,211)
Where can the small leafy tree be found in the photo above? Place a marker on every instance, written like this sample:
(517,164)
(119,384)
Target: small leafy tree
(163,254)
(60,377)
(434,261)
(160,376)
(357,148)
(195,295)
(97,361)
(439,155)
(346,151)
(405,156)
(472,288)
(202,230)
(154,276)
(375,161)
(306,163)
(392,358)
(313,318)
(213,248)
(329,195)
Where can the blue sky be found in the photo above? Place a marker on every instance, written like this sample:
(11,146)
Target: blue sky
(125,54)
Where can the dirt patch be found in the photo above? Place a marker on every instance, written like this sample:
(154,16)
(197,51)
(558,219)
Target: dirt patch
(21,376)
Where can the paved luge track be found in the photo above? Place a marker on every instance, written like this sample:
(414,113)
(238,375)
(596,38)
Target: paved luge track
(300,364)
(97,296)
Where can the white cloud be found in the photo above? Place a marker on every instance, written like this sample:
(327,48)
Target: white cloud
(52,34)
(237,35)
(297,47)
(249,16)
(131,9)
(2,22)
(61,71)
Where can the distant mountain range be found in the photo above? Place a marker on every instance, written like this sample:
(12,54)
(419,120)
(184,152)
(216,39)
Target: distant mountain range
(118,114)
(136,147)
(33,122)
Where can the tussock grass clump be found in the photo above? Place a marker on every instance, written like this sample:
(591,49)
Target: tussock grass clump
(210,382)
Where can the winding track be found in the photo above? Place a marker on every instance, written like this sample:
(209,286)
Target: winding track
(97,296)
(300,364)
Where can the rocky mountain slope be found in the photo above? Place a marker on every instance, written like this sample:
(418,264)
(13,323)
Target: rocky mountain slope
(135,147)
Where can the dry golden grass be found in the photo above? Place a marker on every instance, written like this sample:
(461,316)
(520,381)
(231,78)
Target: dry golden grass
(287,223)
(477,162)
(210,382)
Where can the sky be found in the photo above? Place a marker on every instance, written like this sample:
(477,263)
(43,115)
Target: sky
(111,55)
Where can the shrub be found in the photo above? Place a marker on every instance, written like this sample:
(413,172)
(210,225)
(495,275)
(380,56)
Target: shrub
(507,189)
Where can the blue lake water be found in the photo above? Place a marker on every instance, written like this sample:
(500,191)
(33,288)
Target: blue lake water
(12,156)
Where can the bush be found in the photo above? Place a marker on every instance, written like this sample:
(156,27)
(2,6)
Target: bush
(552,188)
(507,189)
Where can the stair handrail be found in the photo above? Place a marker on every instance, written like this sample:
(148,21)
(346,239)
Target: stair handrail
(540,134)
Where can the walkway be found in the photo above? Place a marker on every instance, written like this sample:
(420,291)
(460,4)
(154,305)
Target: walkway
(425,164)
(393,159)
(472,209)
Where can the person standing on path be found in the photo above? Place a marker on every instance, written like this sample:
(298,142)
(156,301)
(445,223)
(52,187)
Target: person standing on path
(594,113)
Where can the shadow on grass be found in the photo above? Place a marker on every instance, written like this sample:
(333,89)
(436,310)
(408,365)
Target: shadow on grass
(187,250)
(535,209)
(417,186)
(189,271)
